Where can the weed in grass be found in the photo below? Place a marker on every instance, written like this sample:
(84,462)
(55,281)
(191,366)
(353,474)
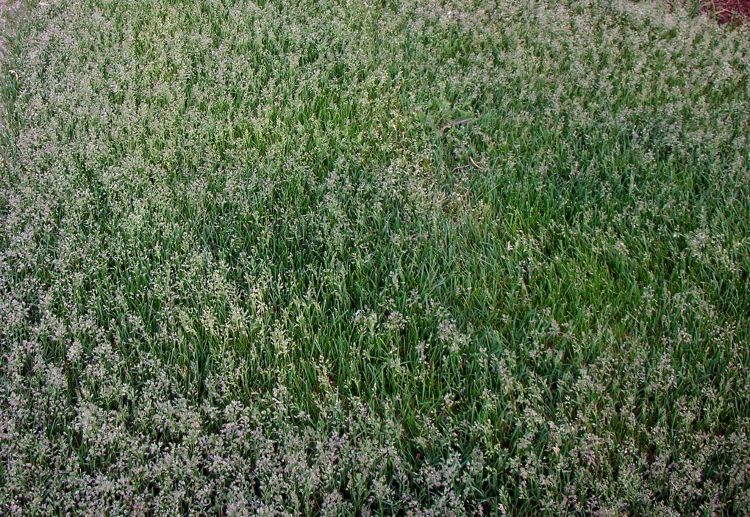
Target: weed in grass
(380,257)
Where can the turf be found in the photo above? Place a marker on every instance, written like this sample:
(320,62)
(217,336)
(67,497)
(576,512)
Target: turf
(327,257)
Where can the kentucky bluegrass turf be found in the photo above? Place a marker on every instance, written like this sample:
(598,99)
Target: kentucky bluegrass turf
(449,257)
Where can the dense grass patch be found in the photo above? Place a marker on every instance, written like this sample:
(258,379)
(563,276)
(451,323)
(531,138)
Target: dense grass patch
(381,257)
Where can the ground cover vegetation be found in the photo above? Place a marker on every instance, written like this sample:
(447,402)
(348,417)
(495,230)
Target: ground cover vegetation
(419,257)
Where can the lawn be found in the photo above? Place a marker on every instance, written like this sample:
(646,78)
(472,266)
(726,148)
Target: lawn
(454,257)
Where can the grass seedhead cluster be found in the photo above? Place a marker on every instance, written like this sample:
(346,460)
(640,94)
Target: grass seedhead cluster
(331,257)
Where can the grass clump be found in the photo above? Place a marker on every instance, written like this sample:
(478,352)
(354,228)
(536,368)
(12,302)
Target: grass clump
(327,257)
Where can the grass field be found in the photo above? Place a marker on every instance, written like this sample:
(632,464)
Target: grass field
(452,257)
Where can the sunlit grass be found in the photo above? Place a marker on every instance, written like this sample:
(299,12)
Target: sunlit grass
(389,257)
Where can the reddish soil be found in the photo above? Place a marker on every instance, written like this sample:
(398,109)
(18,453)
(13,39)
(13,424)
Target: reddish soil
(729,11)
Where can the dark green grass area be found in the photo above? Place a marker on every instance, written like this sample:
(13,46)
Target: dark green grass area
(334,257)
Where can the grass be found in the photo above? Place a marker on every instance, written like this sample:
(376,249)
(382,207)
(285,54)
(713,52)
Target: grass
(328,257)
